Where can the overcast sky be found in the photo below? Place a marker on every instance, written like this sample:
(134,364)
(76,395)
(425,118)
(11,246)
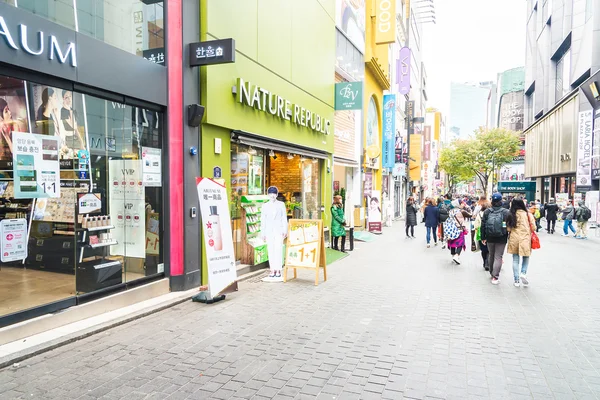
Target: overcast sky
(472,40)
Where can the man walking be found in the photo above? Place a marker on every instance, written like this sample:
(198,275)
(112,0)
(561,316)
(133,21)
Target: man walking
(495,235)
(550,211)
(583,214)
(568,213)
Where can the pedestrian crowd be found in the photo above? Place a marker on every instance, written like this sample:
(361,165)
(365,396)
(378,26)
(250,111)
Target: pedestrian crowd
(495,226)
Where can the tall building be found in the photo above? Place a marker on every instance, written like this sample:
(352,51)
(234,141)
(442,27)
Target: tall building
(561,97)
(468,108)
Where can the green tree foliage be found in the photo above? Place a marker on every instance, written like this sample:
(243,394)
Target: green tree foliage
(452,164)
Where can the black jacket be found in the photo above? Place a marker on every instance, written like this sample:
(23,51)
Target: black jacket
(550,211)
(486,214)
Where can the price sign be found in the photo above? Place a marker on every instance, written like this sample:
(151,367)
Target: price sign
(305,247)
(36,166)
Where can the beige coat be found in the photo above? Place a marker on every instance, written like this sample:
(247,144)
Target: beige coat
(519,240)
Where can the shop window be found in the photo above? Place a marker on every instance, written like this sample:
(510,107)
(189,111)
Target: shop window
(60,11)
(80,194)
(563,71)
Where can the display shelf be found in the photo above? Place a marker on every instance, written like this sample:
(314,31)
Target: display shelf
(98,245)
(67,233)
(99,228)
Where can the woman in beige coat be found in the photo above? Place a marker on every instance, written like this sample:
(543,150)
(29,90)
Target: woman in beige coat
(520,224)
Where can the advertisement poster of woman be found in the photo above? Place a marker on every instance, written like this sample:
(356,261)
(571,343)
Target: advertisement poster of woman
(13,113)
(374,212)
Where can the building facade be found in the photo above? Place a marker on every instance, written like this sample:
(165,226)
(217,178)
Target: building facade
(85,198)
(562,61)
(468,108)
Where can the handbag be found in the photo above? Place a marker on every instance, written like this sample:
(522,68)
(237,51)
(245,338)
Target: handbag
(535,239)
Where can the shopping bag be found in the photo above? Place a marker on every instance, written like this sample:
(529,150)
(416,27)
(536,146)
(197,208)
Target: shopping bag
(535,241)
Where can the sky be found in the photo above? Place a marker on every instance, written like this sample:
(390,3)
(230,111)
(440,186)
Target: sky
(472,40)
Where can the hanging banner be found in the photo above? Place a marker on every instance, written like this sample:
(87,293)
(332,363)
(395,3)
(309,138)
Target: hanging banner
(389,131)
(36,167)
(410,114)
(374,212)
(403,71)
(127,208)
(13,233)
(385,21)
(427,144)
(584,149)
(218,239)
(152,167)
(348,96)
(596,147)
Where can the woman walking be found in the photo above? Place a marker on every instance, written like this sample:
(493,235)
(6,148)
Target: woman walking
(411,217)
(432,216)
(337,223)
(455,230)
(520,224)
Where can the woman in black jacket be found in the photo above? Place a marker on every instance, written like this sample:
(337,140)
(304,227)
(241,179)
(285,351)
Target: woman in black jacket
(411,217)
(550,211)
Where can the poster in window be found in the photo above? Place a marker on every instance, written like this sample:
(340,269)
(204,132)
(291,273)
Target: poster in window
(13,115)
(13,233)
(127,207)
(152,166)
(58,112)
(36,168)
(255,178)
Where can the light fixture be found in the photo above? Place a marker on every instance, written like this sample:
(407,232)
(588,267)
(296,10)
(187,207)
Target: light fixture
(271,153)
(314,160)
(290,156)
(302,158)
(251,151)
(594,89)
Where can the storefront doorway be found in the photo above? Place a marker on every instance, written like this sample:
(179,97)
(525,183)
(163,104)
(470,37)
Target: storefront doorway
(253,170)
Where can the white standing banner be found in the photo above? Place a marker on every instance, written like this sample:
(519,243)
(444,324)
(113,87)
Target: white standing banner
(35,165)
(127,208)
(584,149)
(218,240)
(14,239)
(152,166)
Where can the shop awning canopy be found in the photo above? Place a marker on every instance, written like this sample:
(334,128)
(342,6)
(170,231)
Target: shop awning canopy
(250,139)
(344,162)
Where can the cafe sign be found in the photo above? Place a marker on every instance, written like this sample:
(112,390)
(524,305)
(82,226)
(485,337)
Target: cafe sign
(266,101)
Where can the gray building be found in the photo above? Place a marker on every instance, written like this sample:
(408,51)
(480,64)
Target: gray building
(468,108)
(561,96)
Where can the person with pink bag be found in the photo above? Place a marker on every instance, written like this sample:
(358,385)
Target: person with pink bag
(521,227)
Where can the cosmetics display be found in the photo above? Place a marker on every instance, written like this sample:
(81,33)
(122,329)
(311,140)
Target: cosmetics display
(254,249)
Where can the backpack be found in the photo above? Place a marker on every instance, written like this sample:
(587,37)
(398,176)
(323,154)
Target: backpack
(495,226)
(586,213)
(451,229)
(444,213)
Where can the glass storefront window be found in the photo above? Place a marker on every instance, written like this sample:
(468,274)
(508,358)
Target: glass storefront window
(135,26)
(80,194)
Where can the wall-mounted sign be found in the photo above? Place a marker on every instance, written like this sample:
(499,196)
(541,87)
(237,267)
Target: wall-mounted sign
(348,96)
(403,71)
(152,166)
(584,149)
(37,43)
(410,114)
(156,56)
(389,131)
(385,21)
(212,52)
(217,173)
(271,103)
(36,167)
(13,234)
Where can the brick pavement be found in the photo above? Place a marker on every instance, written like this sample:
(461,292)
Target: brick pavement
(394,321)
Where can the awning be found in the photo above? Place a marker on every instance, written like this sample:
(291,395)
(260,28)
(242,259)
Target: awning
(344,162)
(250,139)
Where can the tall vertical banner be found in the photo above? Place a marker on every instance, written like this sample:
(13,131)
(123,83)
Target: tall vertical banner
(385,21)
(389,131)
(596,147)
(427,144)
(218,239)
(584,149)
(127,208)
(410,114)
(36,167)
(403,71)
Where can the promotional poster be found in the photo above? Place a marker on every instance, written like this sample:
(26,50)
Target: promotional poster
(13,233)
(218,239)
(36,167)
(13,114)
(152,168)
(374,212)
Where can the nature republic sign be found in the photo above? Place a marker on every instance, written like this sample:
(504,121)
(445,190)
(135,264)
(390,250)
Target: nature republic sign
(266,101)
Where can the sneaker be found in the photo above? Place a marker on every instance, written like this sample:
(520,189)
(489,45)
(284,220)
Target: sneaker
(428,245)
(495,281)
(524,280)
(278,274)
(456,259)
(272,275)
(414,237)
(435,244)
(565,235)
(517,284)
(443,246)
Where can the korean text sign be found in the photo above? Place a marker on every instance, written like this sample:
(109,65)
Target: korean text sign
(13,233)
(36,166)
(304,243)
(389,131)
(218,239)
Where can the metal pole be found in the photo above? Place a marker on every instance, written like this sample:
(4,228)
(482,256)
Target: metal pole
(406,44)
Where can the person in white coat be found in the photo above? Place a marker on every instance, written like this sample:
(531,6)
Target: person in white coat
(274,228)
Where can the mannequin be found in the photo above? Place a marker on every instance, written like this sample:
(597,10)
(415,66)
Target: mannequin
(274,227)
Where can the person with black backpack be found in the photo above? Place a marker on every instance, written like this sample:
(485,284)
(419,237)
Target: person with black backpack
(495,235)
(444,213)
(583,214)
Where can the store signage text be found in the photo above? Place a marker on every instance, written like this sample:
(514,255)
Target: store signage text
(271,103)
(348,96)
(386,21)
(53,49)
(584,149)
(220,51)
(403,70)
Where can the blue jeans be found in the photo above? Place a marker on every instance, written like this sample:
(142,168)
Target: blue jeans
(430,230)
(568,224)
(516,266)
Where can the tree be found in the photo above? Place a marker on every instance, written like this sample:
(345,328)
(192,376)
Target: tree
(452,164)
(489,151)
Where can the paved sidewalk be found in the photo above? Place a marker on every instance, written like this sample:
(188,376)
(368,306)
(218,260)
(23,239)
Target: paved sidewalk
(394,321)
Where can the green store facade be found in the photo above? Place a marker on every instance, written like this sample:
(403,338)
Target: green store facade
(269,115)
